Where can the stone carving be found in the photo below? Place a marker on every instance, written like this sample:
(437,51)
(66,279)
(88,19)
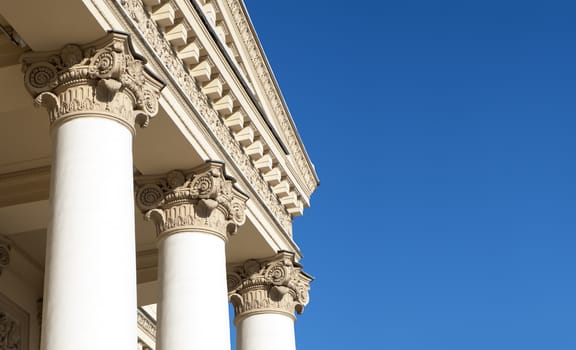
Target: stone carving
(200,199)
(146,331)
(13,326)
(103,78)
(4,253)
(200,103)
(9,333)
(277,285)
(271,93)
(142,345)
(146,324)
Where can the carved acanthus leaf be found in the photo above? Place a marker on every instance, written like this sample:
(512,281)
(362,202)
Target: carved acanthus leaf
(277,284)
(9,333)
(202,198)
(103,78)
(153,35)
(261,67)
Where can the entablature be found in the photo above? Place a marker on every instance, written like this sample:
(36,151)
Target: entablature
(252,56)
(234,31)
(184,51)
(173,29)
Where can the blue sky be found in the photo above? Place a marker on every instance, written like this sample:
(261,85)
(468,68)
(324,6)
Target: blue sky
(444,135)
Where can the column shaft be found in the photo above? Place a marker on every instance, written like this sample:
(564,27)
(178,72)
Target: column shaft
(265,332)
(194,212)
(90,283)
(193,307)
(266,293)
(95,95)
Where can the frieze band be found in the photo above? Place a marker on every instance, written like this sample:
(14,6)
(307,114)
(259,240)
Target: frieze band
(146,324)
(141,20)
(260,65)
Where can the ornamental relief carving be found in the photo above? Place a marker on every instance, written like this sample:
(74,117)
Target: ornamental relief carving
(9,333)
(277,284)
(199,101)
(13,326)
(102,78)
(199,199)
(263,75)
(146,324)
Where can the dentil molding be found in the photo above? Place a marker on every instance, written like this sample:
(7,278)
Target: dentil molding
(273,285)
(104,78)
(200,199)
(265,77)
(146,324)
(155,36)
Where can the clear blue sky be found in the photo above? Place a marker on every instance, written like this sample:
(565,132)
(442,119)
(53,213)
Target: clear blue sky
(444,135)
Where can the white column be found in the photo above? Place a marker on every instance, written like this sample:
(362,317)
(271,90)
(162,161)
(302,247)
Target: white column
(266,293)
(265,331)
(193,300)
(90,274)
(90,283)
(194,212)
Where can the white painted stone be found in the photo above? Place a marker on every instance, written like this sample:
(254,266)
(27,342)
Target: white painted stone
(273,177)
(193,301)
(235,121)
(282,189)
(225,105)
(245,136)
(190,53)
(164,15)
(264,163)
(90,280)
(265,331)
(297,210)
(202,71)
(213,89)
(177,35)
(255,150)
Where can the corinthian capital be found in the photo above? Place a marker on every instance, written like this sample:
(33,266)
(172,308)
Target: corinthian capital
(4,253)
(200,199)
(273,285)
(104,78)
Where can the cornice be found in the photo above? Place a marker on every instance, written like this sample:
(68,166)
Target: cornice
(232,43)
(235,139)
(250,61)
(272,91)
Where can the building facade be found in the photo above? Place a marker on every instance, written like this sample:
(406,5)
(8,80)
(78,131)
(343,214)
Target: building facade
(149,175)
